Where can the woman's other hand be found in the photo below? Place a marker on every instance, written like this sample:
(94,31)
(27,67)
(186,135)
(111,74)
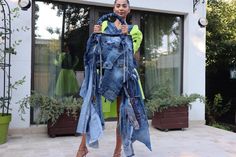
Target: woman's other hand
(124,29)
(97,28)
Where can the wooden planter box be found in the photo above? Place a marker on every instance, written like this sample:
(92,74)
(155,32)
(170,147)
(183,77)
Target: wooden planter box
(171,118)
(65,125)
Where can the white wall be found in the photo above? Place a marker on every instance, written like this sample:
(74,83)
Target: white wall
(194,49)
(194,60)
(21,64)
(170,6)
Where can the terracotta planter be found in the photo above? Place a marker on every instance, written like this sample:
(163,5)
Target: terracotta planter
(171,118)
(65,125)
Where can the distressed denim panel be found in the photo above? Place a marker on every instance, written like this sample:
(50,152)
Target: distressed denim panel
(117,57)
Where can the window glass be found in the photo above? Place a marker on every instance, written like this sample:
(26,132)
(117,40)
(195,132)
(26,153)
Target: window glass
(161,55)
(61,32)
(60,45)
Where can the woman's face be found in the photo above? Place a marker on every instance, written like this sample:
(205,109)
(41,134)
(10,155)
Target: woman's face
(121,8)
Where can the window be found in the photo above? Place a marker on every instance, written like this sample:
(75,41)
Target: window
(59,48)
(161,55)
(66,32)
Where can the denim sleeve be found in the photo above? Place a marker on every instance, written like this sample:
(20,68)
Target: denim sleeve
(84,86)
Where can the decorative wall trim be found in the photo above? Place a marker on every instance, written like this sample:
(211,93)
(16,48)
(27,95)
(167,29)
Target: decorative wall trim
(195,3)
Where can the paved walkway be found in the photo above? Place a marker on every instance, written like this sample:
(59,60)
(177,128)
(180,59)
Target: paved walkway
(196,141)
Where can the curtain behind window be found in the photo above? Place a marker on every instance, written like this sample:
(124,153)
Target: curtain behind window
(162,52)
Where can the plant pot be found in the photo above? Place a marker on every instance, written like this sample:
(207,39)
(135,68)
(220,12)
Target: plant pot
(171,118)
(65,125)
(4,124)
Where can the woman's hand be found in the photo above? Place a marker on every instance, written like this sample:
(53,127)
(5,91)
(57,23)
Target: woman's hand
(124,29)
(97,29)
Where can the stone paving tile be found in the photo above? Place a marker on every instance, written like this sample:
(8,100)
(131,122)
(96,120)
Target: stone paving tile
(196,141)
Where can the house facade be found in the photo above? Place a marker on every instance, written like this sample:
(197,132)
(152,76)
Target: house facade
(172,50)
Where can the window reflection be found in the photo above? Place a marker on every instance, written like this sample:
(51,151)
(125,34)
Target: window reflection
(161,58)
(59,48)
(61,41)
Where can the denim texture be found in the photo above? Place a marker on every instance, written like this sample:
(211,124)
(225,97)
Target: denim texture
(110,71)
(117,57)
(133,128)
(91,120)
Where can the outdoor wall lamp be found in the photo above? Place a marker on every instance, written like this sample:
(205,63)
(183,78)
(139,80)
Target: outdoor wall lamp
(24,4)
(202,22)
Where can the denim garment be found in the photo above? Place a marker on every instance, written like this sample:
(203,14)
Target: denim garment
(133,121)
(129,115)
(91,120)
(129,132)
(117,57)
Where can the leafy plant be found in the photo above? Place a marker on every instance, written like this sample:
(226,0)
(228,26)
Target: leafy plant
(50,107)
(163,98)
(221,126)
(5,107)
(7,48)
(221,33)
(216,108)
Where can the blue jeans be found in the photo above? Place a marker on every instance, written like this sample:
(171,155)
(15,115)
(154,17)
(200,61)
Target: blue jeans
(133,120)
(91,121)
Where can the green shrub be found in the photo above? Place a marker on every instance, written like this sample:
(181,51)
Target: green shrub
(50,107)
(216,109)
(221,126)
(163,98)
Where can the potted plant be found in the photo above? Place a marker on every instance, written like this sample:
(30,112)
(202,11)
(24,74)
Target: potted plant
(170,111)
(60,114)
(7,49)
(5,115)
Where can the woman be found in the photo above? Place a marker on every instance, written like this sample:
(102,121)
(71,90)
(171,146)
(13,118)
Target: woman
(121,8)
